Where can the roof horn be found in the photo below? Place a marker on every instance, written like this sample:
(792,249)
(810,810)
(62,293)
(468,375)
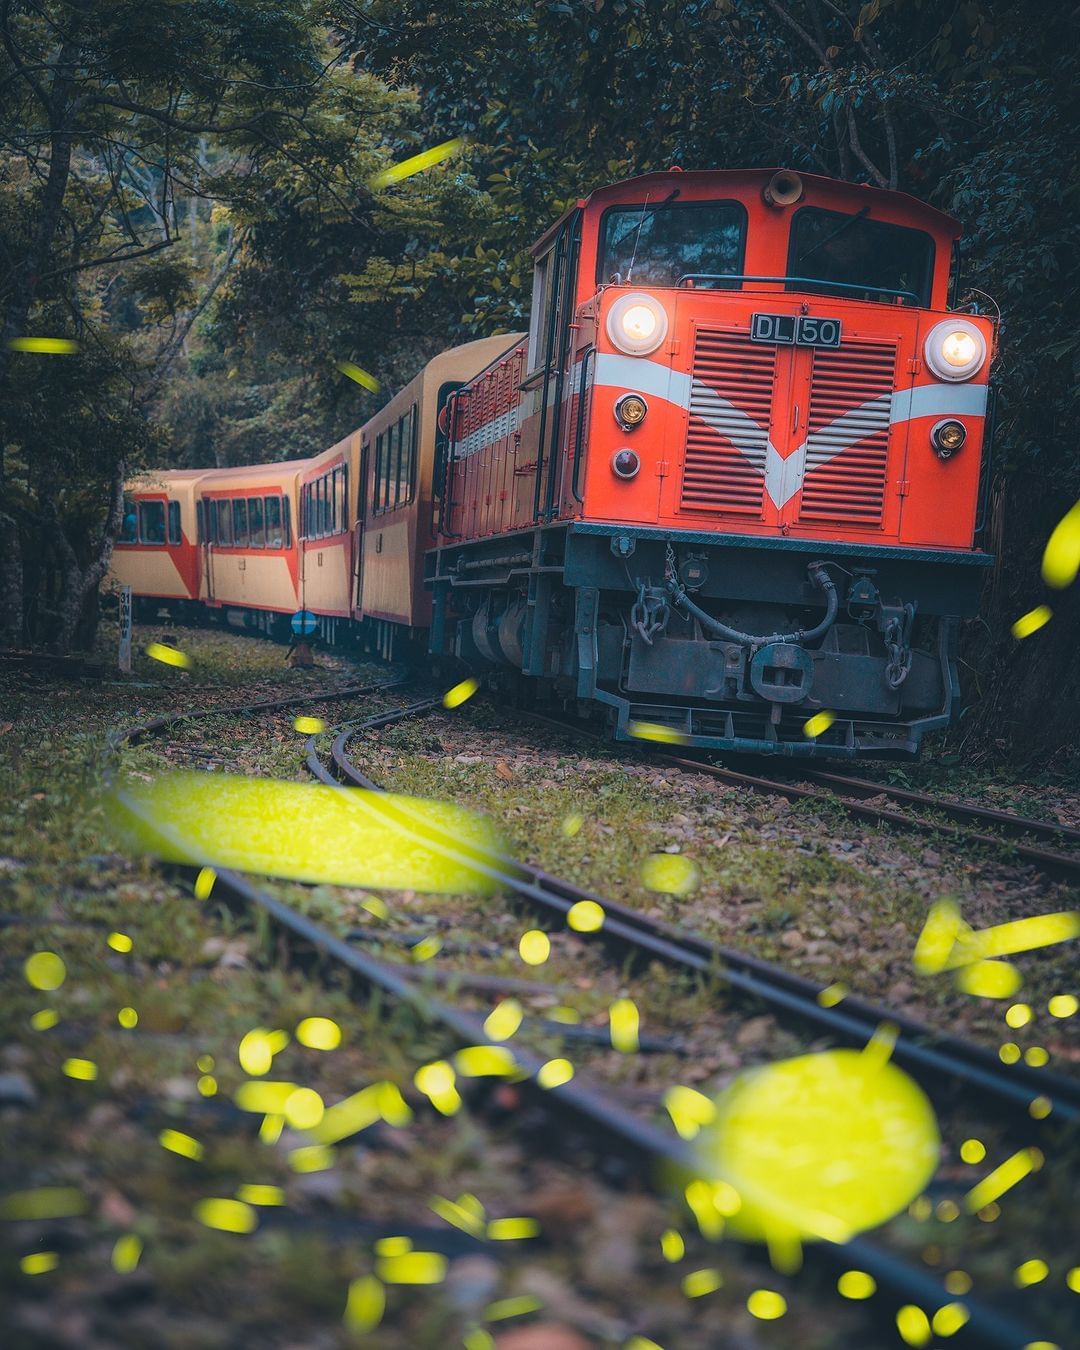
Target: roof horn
(784,188)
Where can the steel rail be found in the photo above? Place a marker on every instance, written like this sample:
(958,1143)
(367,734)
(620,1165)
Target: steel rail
(929,1054)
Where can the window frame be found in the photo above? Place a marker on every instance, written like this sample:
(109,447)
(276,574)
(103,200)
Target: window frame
(547,267)
(924,292)
(639,207)
(144,503)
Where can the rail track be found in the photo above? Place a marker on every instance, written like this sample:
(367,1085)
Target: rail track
(940,1062)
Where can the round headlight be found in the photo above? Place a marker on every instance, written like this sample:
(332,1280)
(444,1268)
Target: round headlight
(637,324)
(947,436)
(630,410)
(625,463)
(955,349)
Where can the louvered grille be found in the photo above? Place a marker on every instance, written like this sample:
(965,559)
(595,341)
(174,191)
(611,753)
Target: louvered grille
(847,446)
(730,409)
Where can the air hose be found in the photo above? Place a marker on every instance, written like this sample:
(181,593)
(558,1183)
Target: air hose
(818,575)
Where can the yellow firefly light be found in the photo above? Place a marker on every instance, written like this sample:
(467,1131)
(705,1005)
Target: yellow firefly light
(1032,621)
(417,163)
(168,656)
(44,346)
(361,377)
(1061,560)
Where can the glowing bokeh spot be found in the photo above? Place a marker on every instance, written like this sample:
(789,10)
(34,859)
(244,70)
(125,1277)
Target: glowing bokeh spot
(358,374)
(1030,1272)
(207,1085)
(1072,1279)
(128,1018)
(624,1021)
(1037,1056)
(1009,1053)
(586,916)
(412,1268)
(120,942)
(264,1096)
(476,1338)
(312,1158)
(913,1325)
(1018,1015)
(460,1213)
(989,1212)
(856,1284)
(309,726)
(947,1210)
(417,163)
(818,724)
(393,1106)
(126,1252)
(1019,935)
(45,970)
(204,883)
(989,979)
(938,937)
(973,1150)
(503,1020)
(1061,557)
(1063,1005)
(1032,621)
(1002,1178)
(920,1208)
(672,1245)
(228,1216)
(205,1063)
(656,731)
(44,1202)
(512,1230)
(948,1320)
(697,1283)
(534,947)
(669,873)
(44,1019)
(44,346)
(270,1129)
(39,1263)
(84,1069)
(461,693)
(425,949)
(437,1082)
(834,994)
(375,906)
(303,1109)
(554,1073)
(392,1246)
(766,1304)
(570,1016)
(572,824)
(483,1061)
(689,1109)
(641,1343)
(349,1117)
(511,1307)
(1040,1107)
(168,656)
(319,1033)
(365,1304)
(183,1144)
(252,1194)
(306,832)
(254,1052)
(823,1145)
(958,1282)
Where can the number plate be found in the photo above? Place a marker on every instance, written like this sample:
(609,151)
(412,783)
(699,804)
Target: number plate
(799,330)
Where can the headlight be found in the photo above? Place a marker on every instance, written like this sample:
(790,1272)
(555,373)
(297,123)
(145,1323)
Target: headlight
(947,436)
(637,324)
(625,463)
(630,410)
(955,349)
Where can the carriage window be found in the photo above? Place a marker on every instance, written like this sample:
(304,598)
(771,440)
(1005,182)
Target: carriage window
(838,251)
(273,522)
(129,530)
(382,473)
(656,244)
(175,536)
(151,522)
(307,525)
(239,520)
(341,515)
(224,519)
(324,506)
(286,521)
(407,462)
(393,458)
(255,522)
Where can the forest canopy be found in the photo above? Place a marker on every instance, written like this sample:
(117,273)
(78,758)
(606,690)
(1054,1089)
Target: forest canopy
(186,191)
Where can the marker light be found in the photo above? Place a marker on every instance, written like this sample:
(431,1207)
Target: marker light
(630,410)
(955,349)
(947,437)
(625,463)
(637,324)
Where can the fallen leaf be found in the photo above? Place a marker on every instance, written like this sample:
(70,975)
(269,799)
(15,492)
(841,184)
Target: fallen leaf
(504,771)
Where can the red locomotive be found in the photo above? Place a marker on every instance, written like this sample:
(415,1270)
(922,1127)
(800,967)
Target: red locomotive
(729,479)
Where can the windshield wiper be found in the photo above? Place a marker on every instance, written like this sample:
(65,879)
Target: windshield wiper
(636,229)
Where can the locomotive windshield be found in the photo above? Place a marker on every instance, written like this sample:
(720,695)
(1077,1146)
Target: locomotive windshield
(671,241)
(839,252)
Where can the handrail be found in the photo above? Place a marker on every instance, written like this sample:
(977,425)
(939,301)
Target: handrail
(803,281)
(579,428)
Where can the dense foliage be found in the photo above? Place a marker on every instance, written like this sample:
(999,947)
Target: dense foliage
(279,114)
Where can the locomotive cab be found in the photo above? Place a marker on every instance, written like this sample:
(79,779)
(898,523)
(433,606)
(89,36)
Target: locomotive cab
(745,442)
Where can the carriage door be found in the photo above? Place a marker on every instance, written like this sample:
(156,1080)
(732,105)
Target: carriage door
(358,531)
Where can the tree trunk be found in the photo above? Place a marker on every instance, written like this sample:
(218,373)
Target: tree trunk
(11,583)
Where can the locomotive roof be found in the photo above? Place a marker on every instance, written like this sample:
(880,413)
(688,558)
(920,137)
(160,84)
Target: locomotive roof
(732,180)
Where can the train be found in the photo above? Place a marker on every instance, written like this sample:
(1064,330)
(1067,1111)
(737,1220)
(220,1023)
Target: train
(730,484)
